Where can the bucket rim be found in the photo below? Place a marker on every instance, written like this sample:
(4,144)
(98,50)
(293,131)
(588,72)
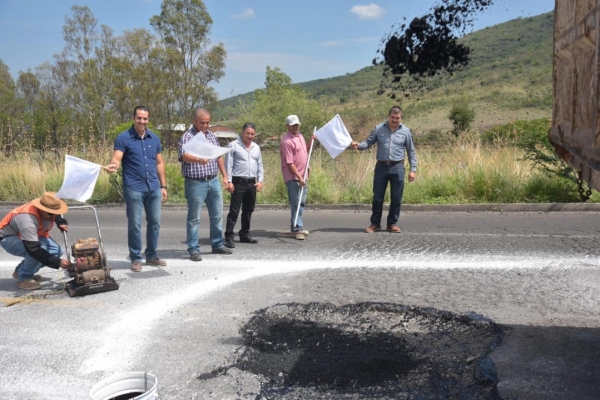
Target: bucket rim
(123,383)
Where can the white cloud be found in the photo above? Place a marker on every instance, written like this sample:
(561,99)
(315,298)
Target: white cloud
(372,11)
(345,42)
(247,13)
(333,43)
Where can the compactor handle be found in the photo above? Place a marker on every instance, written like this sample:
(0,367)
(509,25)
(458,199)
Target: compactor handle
(66,245)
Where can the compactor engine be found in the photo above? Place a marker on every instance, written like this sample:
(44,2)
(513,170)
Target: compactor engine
(89,271)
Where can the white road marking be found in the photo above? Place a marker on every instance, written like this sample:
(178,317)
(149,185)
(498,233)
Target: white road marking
(123,340)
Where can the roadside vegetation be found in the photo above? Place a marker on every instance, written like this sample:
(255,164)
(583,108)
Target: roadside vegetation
(493,166)
(481,134)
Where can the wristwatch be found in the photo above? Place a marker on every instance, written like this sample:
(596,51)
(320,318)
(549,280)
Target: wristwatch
(163,187)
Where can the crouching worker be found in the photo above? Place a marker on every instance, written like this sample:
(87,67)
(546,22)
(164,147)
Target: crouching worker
(24,233)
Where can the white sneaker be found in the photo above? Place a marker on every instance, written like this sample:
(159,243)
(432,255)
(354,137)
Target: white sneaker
(300,236)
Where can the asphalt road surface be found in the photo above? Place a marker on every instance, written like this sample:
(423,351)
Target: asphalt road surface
(535,274)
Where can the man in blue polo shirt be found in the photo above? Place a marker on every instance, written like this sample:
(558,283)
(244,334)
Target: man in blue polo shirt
(144,186)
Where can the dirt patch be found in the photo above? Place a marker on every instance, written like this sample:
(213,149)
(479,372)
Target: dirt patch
(369,350)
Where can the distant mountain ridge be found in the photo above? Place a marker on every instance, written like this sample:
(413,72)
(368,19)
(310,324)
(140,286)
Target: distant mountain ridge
(509,77)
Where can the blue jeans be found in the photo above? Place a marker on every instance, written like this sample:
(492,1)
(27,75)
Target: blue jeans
(293,189)
(136,202)
(29,266)
(196,194)
(394,174)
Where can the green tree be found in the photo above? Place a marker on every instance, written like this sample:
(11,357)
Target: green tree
(145,76)
(532,138)
(276,101)
(91,50)
(28,87)
(53,112)
(11,112)
(461,115)
(188,62)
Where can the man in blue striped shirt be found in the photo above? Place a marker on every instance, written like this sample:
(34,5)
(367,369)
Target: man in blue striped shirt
(394,144)
(246,173)
(201,185)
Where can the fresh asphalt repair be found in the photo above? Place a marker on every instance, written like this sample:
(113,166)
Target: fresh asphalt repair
(369,350)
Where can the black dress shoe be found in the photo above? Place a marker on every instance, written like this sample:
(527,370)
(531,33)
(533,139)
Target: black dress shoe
(247,239)
(229,243)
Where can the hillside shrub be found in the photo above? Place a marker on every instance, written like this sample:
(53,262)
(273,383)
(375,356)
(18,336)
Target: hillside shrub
(461,115)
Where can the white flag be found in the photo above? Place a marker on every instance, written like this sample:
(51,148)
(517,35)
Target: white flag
(334,136)
(80,179)
(199,146)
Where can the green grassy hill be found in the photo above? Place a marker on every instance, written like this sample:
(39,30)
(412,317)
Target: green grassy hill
(509,77)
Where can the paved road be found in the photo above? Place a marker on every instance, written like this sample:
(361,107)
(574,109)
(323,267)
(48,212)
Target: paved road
(536,274)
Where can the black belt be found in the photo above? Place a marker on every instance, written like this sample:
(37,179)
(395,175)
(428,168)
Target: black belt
(389,162)
(203,179)
(239,179)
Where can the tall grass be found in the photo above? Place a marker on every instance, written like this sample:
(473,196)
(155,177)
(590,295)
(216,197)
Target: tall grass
(466,171)
(462,170)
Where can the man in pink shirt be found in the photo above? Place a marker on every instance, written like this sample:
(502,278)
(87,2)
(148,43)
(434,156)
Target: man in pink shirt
(294,157)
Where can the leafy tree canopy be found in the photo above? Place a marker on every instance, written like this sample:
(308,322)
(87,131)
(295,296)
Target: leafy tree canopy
(276,101)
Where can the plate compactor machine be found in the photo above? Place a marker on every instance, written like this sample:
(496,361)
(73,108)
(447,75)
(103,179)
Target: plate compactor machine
(90,272)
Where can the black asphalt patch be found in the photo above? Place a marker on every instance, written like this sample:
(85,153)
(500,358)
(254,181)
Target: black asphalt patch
(369,350)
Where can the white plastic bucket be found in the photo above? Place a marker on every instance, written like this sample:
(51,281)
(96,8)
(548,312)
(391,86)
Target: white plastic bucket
(143,383)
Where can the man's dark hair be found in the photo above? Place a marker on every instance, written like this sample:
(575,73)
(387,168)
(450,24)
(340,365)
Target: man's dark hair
(395,110)
(248,125)
(141,108)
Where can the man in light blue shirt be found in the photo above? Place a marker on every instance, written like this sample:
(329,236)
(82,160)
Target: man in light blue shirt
(246,174)
(394,144)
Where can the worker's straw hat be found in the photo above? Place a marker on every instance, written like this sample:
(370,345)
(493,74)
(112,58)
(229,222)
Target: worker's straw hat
(50,204)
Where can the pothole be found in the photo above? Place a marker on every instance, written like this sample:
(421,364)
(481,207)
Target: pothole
(369,350)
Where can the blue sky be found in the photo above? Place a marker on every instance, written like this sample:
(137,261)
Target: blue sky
(306,39)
